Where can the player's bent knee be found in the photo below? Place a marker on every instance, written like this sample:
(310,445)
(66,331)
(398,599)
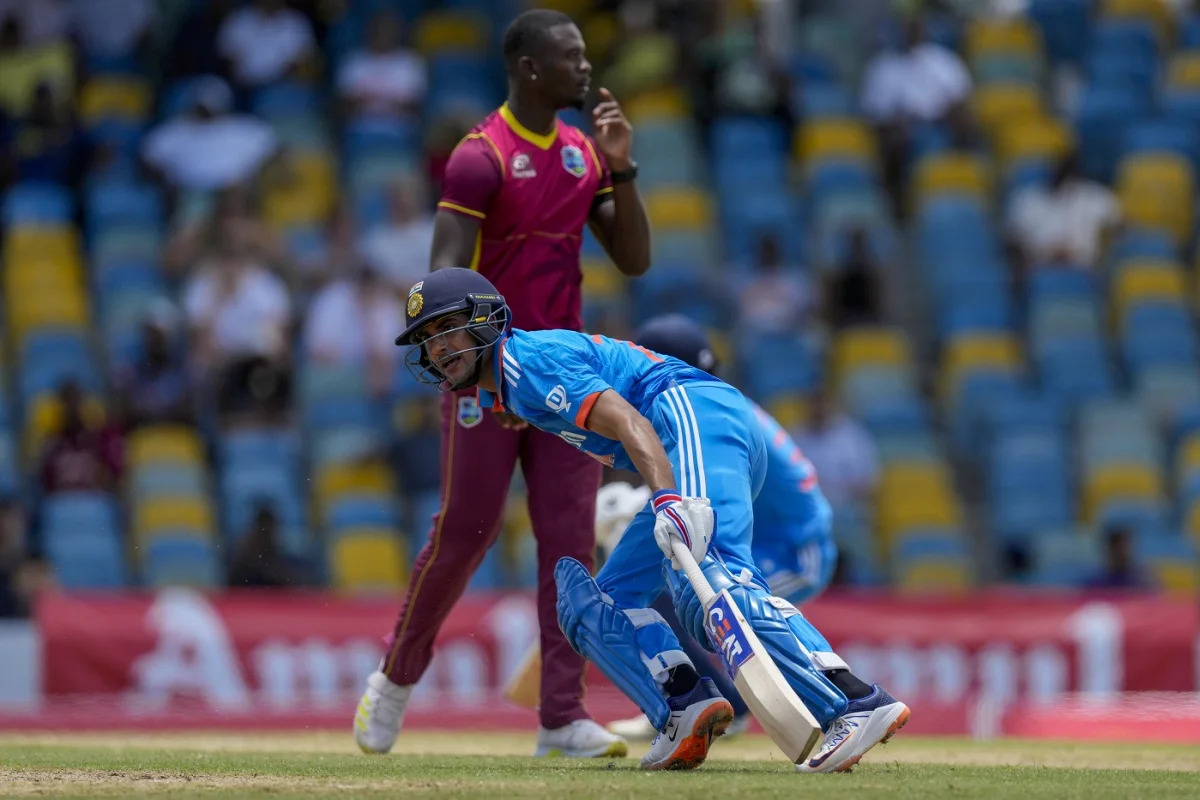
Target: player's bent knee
(634,648)
(780,628)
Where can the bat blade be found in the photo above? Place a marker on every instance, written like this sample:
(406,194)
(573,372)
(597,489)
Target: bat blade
(762,686)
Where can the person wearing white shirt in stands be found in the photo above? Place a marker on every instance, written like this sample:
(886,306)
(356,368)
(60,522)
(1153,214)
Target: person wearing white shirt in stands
(385,78)
(1064,223)
(353,321)
(842,452)
(209,148)
(399,248)
(921,82)
(263,42)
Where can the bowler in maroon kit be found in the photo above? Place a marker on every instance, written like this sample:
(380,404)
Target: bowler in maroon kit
(518,191)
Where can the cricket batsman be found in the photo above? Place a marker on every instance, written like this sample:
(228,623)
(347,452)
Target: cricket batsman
(517,193)
(698,445)
(793,523)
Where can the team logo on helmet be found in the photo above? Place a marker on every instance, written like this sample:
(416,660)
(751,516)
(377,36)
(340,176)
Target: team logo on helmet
(573,162)
(415,303)
(469,412)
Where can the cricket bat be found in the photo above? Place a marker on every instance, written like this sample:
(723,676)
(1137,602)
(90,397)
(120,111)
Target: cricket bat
(524,688)
(764,689)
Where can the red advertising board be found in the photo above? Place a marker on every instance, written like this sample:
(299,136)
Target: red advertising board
(308,654)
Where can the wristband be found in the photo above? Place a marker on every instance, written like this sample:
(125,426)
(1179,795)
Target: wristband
(626,175)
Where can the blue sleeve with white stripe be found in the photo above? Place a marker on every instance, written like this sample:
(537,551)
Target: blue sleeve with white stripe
(555,372)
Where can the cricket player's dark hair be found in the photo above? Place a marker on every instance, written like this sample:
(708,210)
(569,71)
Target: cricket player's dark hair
(528,33)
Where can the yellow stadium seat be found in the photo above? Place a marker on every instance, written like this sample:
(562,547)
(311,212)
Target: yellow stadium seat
(925,512)
(1184,71)
(952,173)
(108,97)
(451,32)
(995,351)
(602,280)
(1119,482)
(912,476)
(1157,12)
(834,138)
(990,36)
(1187,459)
(1176,577)
(601,31)
(679,209)
(1037,137)
(173,513)
(1146,283)
(999,105)
(43,245)
(301,191)
(163,443)
(790,411)
(367,477)
(933,576)
(67,310)
(368,563)
(22,69)
(657,105)
(879,345)
(1157,190)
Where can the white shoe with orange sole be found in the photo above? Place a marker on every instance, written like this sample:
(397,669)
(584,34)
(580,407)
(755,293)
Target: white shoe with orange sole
(868,721)
(696,719)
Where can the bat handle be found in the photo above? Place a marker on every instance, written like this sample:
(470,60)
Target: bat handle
(700,585)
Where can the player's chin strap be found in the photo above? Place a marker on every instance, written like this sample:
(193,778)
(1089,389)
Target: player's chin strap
(779,626)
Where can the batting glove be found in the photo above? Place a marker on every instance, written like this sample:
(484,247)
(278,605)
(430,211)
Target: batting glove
(686,519)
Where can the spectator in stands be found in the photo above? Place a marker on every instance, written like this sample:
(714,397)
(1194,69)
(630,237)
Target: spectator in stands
(399,249)
(113,29)
(384,79)
(46,141)
(234,213)
(209,148)
(265,42)
(647,57)
(239,313)
(1064,224)
(17,572)
(854,291)
(80,456)
(778,298)
(156,387)
(842,452)
(32,53)
(194,48)
(1120,570)
(41,21)
(922,83)
(353,321)
(739,73)
(259,561)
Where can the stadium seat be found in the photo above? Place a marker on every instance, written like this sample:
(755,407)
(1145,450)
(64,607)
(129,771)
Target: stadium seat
(823,139)
(952,173)
(181,560)
(367,562)
(164,443)
(173,513)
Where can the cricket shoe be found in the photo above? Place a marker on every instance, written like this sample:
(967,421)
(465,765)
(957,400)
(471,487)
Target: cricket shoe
(868,721)
(379,714)
(696,719)
(640,729)
(582,738)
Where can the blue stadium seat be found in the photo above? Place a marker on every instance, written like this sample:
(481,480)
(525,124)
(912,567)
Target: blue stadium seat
(352,511)
(1065,558)
(1141,243)
(1173,135)
(81,532)
(761,357)
(109,202)
(173,560)
(1064,25)
(1104,113)
(37,203)
(286,100)
(50,357)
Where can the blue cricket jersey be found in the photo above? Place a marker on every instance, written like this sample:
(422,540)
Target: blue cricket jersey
(790,501)
(551,379)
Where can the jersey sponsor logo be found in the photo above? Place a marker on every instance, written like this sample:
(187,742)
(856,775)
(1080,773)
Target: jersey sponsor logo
(557,401)
(522,166)
(469,412)
(727,636)
(573,161)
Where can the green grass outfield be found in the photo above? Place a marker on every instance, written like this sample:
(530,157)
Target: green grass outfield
(497,766)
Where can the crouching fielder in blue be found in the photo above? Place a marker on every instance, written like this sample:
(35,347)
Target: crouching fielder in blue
(698,445)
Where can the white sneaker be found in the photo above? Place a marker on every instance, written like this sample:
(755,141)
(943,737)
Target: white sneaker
(379,714)
(639,729)
(696,719)
(634,729)
(867,722)
(582,738)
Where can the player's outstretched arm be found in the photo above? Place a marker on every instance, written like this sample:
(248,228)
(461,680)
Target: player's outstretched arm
(454,238)
(620,224)
(614,418)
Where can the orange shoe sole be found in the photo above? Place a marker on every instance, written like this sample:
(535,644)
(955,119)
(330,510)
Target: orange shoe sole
(693,748)
(895,726)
